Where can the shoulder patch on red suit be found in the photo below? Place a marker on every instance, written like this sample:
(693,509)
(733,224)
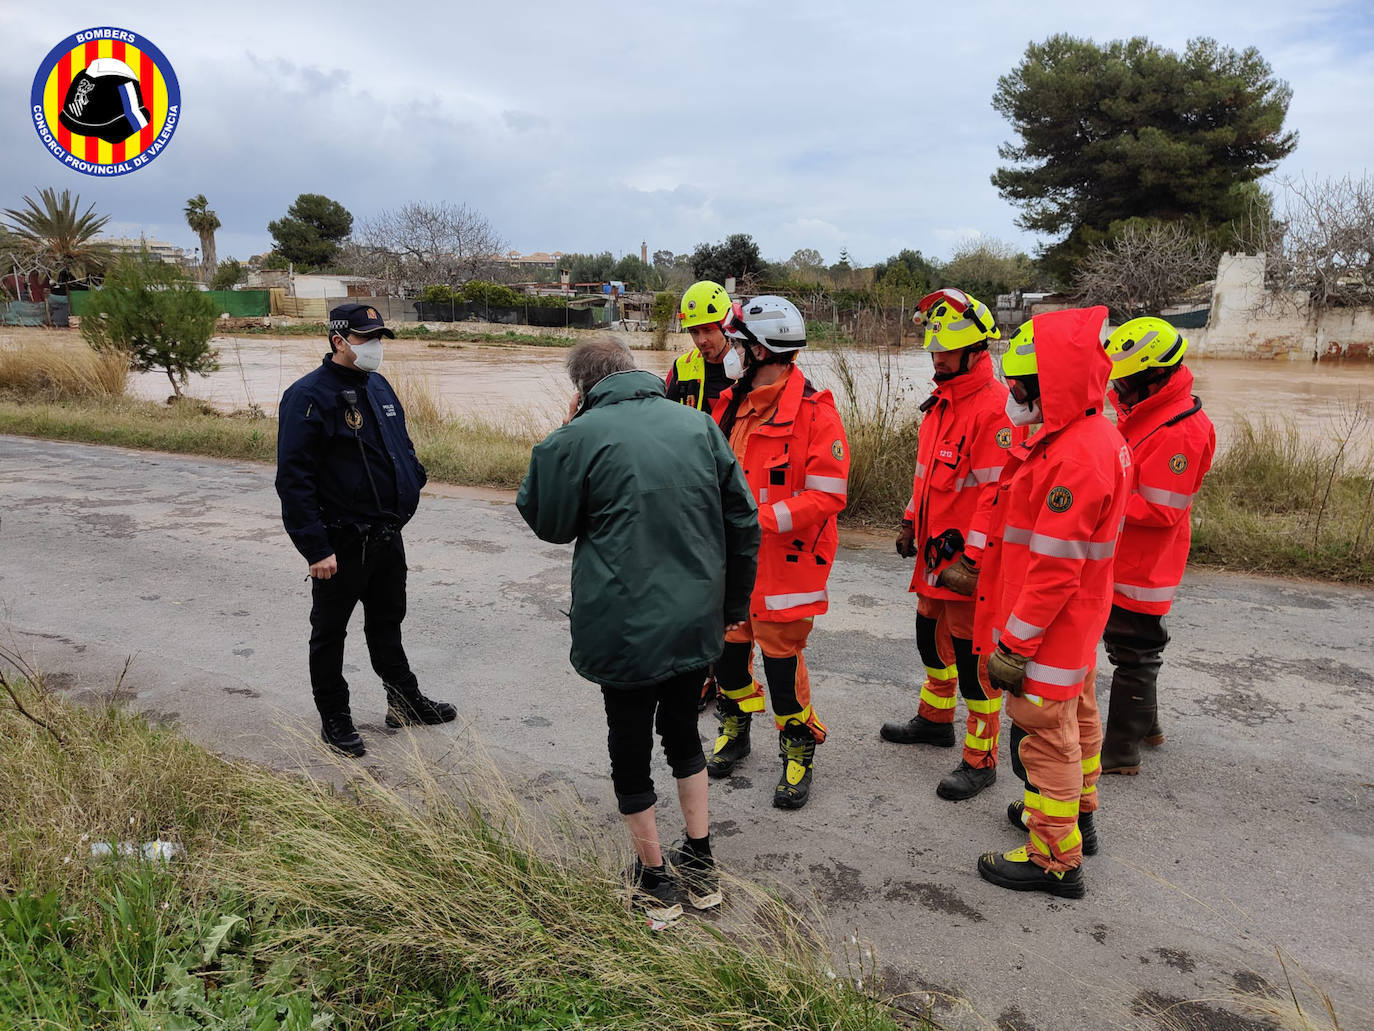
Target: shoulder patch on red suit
(1178,463)
(837,449)
(1059,499)
(1004,437)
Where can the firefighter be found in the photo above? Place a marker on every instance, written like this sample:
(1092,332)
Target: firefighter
(700,375)
(1045,590)
(790,441)
(1172,442)
(963,443)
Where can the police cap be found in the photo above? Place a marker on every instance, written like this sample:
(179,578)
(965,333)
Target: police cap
(357,318)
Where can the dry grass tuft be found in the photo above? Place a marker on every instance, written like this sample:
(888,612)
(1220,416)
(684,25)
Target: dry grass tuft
(41,372)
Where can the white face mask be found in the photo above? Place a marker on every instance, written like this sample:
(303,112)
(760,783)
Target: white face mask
(1023,415)
(368,355)
(732,363)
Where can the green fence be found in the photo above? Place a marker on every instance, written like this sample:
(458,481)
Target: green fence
(238,303)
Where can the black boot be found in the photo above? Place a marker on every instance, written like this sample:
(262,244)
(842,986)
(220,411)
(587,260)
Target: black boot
(797,749)
(1015,870)
(695,868)
(1016,814)
(965,781)
(918,731)
(1086,825)
(1128,721)
(338,732)
(411,708)
(732,743)
(1154,737)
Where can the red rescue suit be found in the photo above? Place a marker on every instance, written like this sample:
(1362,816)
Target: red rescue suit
(1172,443)
(1046,584)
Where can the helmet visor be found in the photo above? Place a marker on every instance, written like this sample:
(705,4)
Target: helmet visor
(957,300)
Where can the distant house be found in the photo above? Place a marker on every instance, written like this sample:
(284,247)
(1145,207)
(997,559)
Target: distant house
(539,259)
(319,284)
(160,249)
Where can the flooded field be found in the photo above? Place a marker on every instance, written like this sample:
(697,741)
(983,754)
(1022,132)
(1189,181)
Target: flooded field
(498,383)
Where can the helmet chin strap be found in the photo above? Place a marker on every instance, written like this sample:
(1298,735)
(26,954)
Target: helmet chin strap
(965,363)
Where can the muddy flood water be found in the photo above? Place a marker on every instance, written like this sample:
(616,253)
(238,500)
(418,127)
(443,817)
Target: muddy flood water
(528,384)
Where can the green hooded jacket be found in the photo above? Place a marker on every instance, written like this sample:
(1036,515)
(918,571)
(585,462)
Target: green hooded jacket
(666,527)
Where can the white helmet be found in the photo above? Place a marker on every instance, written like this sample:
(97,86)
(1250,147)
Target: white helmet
(774,322)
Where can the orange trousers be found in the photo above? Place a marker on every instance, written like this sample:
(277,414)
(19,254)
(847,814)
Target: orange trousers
(944,637)
(1056,750)
(784,665)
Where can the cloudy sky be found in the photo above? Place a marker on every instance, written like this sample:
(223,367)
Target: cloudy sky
(588,127)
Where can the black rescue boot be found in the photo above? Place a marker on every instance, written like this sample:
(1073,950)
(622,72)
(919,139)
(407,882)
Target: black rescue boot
(411,708)
(797,749)
(1016,816)
(1015,870)
(338,732)
(965,781)
(694,866)
(918,731)
(732,743)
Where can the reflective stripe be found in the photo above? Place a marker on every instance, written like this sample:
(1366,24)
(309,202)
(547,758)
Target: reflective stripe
(948,673)
(777,602)
(1167,498)
(977,477)
(980,744)
(1058,547)
(984,706)
(1057,675)
(1090,789)
(1018,626)
(749,698)
(1071,840)
(935,701)
(1051,806)
(976,539)
(1038,844)
(1093,763)
(921,469)
(763,495)
(1034,699)
(1146,593)
(806,717)
(829,484)
(784,516)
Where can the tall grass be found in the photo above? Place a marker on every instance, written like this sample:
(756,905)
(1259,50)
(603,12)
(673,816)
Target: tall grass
(447,894)
(882,431)
(34,371)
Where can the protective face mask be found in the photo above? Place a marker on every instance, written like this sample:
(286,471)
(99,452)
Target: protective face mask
(368,356)
(732,363)
(1023,415)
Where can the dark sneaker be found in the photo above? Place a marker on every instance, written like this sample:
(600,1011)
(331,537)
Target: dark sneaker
(697,873)
(797,749)
(1015,870)
(339,734)
(411,708)
(732,744)
(1016,815)
(965,781)
(918,731)
(653,892)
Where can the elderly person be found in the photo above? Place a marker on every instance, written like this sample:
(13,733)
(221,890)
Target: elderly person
(667,537)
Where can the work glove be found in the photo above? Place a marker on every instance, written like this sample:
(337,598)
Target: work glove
(1007,670)
(906,540)
(961,578)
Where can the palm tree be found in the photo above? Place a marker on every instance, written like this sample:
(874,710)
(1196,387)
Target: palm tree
(204,221)
(57,240)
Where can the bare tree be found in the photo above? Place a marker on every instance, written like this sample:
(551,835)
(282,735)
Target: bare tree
(1144,268)
(1325,241)
(419,245)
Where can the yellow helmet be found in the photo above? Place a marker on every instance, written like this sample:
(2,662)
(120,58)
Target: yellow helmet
(954,319)
(1147,343)
(704,302)
(1019,360)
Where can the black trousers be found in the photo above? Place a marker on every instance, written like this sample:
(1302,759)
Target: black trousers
(1135,645)
(632,714)
(372,572)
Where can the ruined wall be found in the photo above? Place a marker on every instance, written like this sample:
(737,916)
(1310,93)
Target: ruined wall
(1247,321)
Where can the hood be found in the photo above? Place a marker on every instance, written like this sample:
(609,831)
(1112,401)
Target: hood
(1073,364)
(624,386)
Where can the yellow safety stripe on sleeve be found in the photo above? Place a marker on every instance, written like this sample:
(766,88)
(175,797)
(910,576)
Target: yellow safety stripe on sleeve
(1071,840)
(980,744)
(1091,764)
(948,673)
(935,701)
(1038,844)
(749,698)
(984,706)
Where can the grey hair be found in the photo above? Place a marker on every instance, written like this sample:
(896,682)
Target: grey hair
(591,362)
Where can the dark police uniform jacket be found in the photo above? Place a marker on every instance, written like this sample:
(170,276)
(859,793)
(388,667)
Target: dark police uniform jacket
(321,478)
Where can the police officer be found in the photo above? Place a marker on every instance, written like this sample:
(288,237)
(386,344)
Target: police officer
(349,481)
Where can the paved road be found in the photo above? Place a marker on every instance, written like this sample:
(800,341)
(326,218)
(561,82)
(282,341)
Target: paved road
(1252,828)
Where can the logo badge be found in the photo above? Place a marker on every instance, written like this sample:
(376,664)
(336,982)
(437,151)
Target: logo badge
(1059,499)
(105,102)
(371,313)
(837,449)
(1178,463)
(353,419)
(1004,437)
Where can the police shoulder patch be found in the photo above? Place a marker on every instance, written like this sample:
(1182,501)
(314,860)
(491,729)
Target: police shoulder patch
(1178,463)
(1004,437)
(837,449)
(1059,499)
